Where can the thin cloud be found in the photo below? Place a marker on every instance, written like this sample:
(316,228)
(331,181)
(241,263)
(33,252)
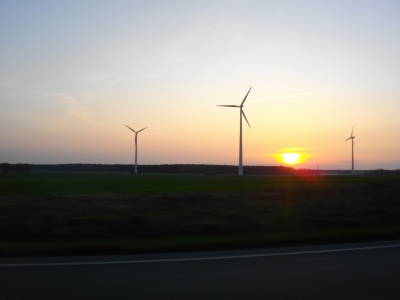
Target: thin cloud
(73,107)
(296,149)
(7,85)
(293,96)
(356,161)
(94,77)
(76,109)
(171,113)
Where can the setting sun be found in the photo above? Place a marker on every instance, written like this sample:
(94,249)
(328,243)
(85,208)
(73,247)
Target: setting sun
(290,158)
(292,155)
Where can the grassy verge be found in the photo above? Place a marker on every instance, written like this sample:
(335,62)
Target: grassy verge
(67,183)
(220,213)
(184,244)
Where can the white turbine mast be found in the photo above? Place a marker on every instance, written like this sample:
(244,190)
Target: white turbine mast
(240,134)
(352,150)
(136,133)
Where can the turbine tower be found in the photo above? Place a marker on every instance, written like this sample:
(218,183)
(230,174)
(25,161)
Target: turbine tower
(136,133)
(240,134)
(352,150)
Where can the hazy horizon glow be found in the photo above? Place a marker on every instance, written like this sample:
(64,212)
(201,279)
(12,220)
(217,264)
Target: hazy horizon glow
(72,74)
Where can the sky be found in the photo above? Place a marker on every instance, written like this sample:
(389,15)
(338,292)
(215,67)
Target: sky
(73,73)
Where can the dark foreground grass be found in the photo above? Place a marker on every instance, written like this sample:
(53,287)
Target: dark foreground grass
(190,244)
(75,213)
(67,183)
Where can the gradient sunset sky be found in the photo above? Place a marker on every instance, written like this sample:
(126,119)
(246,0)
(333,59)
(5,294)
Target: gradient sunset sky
(73,73)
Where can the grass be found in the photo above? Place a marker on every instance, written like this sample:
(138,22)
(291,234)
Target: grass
(66,183)
(180,244)
(48,213)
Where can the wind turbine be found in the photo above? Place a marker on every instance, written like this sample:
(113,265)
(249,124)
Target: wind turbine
(136,133)
(352,150)
(240,135)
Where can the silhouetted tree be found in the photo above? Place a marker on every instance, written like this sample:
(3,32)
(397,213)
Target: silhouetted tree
(5,167)
(27,167)
(19,168)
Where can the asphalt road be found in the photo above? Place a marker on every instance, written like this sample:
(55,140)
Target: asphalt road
(352,271)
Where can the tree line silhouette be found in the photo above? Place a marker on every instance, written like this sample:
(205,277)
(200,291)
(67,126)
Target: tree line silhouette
(19,168)
(182,169)
(164,168)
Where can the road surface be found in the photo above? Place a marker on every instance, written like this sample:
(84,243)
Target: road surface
(351,271)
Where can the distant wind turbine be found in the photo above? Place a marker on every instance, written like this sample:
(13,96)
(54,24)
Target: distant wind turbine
(136,133)
(240,135)
(352,150)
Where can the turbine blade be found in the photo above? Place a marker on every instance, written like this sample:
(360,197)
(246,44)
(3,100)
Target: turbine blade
(142,129)
(246,118)
(130,128)
(348,138)
(229,105)
(352,130)
(245,97)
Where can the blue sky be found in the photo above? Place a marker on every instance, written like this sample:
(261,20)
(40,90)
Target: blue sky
(72,73)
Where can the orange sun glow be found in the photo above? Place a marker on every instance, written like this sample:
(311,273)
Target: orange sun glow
(290,158)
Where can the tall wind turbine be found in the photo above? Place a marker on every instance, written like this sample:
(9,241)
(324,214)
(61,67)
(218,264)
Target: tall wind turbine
(136,133)
(240,135)
(352,150)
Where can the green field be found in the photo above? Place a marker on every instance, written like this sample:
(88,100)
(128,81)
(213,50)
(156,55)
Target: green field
(47,183)
(51,213)
(67,183)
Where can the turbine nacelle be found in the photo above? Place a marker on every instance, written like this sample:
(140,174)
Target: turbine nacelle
(351,136)
(136,131)
(240,106)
